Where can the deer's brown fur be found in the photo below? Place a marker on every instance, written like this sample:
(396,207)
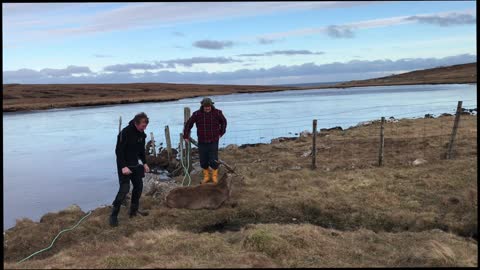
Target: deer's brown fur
(204,196)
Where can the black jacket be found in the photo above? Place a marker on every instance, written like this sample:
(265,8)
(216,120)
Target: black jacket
(130,146)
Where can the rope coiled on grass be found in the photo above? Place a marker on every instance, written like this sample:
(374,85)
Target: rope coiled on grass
(55,239)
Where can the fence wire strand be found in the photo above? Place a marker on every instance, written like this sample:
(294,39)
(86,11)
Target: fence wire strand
(359,146)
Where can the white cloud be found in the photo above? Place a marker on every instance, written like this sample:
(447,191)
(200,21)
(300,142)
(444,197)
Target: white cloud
(347,29)
(188,62)
(283,52)
(448,20)
(341,31)
(99,55)
(265,41)
(178,34)
(132,66)
(286,74)
(185,62)
(31,75)
(213,44)
(68,71)
(55,20)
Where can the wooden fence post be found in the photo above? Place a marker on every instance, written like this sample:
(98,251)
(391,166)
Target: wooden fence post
(454,131)
(153,145)
(169,142)
(120,124)
(188,146)
(382,142)
(314,145)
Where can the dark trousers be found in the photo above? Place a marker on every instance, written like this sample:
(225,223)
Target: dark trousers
(124,180)
(208,154)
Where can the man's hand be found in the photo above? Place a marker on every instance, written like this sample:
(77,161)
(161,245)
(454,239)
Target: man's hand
(126,171)
(187,140)
(147,169)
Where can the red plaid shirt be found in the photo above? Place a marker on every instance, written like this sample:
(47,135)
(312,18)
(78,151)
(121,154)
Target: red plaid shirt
(210,126)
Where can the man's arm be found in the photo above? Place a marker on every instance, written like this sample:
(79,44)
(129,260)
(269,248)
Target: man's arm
(120,148)
(223,124)
(142,153)
(143,157)
(189,125)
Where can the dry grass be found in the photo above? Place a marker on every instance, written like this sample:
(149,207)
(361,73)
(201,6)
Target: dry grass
(464,73)
(21,97)
(348,212)
(267,245)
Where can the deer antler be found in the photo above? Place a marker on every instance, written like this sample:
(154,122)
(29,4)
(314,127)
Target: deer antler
(229,168)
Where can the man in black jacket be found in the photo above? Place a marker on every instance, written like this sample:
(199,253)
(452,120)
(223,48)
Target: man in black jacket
(129,149)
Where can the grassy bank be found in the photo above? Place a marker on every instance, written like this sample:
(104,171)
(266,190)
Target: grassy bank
(348,212)
(464,73)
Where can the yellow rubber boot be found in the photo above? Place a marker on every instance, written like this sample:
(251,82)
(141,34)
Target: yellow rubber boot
(206,176)
(215,176)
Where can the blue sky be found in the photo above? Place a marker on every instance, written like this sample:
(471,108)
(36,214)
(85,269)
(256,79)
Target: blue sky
(232,42)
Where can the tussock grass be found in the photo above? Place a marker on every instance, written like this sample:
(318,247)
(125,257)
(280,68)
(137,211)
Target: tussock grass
(267,245)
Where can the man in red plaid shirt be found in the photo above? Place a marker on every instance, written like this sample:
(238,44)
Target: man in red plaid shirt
(211,125)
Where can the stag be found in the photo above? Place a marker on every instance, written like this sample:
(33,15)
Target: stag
(205,196)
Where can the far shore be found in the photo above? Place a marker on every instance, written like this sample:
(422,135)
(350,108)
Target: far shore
(29,97)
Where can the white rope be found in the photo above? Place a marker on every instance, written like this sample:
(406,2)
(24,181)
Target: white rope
(185,168)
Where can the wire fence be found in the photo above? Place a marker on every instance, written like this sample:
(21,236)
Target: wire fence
(263,129)
(351,142)
(293,128)
(410,142)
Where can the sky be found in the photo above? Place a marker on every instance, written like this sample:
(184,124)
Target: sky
(232,42)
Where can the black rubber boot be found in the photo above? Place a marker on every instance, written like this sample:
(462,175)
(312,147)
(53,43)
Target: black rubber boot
(113,216)
(134,211)
(113,221)
(142,213)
